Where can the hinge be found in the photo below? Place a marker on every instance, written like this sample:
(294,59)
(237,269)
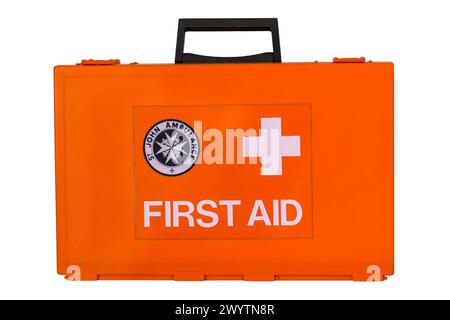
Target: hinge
(92,62)
(349,60)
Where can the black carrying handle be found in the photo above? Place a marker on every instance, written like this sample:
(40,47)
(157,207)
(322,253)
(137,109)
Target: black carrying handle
(265,24)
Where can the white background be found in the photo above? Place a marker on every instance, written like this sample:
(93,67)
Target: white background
(36,35)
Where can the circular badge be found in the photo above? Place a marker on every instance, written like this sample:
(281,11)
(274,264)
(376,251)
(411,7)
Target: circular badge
(171,147)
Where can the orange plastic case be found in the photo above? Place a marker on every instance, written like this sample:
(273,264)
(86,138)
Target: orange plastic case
(325,212)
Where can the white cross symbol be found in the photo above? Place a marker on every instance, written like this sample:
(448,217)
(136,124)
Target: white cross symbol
(271,147)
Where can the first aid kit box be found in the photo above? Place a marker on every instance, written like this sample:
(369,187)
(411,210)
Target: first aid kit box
(225,168)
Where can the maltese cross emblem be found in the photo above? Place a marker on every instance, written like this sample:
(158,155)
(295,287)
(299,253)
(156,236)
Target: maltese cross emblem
(171,147)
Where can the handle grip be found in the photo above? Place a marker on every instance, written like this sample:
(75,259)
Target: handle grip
(265,24)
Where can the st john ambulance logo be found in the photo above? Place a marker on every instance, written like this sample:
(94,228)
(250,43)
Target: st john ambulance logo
(171,147)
